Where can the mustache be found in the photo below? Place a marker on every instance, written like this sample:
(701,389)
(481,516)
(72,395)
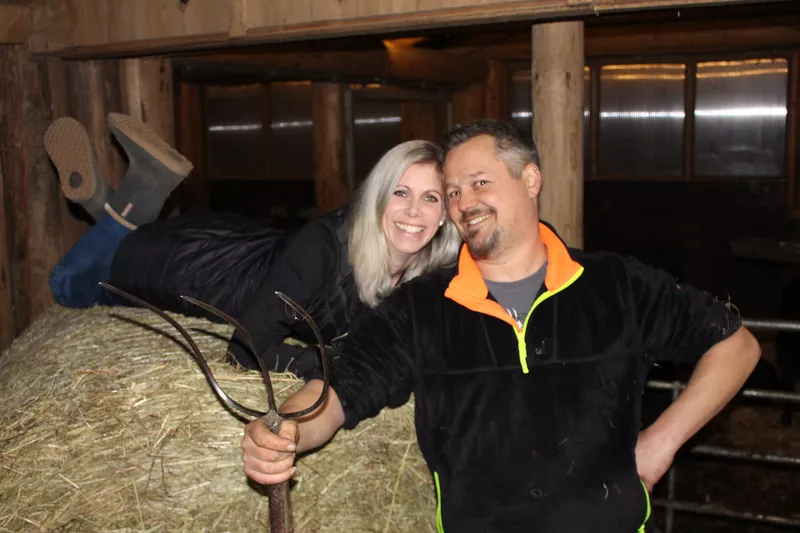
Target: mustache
(474,213)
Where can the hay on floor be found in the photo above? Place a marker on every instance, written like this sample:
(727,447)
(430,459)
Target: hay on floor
(107,424)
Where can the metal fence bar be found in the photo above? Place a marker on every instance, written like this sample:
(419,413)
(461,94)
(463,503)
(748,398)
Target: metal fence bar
(771,325)
(792,397)
(730,453)
(671,505)
(713,510)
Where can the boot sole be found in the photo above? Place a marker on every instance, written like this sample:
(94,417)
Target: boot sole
(68,145)
(129,130)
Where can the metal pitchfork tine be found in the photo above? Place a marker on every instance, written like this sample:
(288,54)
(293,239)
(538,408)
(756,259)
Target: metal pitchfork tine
(280,512)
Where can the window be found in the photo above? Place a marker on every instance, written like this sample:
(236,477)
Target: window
(740,117)
(235,133)
(291,131)
(376,129)
(641,119)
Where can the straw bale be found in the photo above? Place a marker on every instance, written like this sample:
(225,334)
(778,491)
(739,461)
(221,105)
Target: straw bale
(107,424)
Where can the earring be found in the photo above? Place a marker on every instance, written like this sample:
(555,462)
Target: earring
(441,223)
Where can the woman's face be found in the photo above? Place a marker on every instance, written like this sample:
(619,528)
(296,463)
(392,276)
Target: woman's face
(414,211)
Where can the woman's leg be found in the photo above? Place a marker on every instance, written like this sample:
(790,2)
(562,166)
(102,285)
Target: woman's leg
(74,280)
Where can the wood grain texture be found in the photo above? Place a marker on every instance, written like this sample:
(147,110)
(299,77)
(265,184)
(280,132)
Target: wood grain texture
(330,181)
(557,90)
(14,23)
(29,182)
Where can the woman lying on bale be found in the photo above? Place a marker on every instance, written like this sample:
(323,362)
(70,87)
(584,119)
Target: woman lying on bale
(333,266)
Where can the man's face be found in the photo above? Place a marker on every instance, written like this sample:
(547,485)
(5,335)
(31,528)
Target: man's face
(491,209)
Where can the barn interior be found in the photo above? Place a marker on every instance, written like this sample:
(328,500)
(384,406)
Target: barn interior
(686,118)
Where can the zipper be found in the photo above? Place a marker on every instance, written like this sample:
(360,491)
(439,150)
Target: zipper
(520,333)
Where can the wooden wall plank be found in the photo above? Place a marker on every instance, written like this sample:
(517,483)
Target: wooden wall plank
(8,322)
(94,92)
(147,94)
(422,120)
(497,91)
(469,104)
(557,90)
(100,28)
(330,180)
(14,23)
(30,185)
(72,227)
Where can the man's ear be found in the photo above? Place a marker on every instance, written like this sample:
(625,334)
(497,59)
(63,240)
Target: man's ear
(533,180)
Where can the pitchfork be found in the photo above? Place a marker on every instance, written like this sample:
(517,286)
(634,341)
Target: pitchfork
(280,509)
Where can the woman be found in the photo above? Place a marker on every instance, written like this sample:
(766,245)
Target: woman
(333,266)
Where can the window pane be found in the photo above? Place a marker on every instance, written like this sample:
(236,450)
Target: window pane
(740,118)
(235,136)
(291,132)
(521,100)
(641,119)
(376,130)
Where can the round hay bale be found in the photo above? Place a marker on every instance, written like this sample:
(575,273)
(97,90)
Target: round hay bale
(107,424)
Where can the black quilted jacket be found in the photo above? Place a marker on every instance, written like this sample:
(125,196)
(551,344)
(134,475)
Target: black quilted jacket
(236,264)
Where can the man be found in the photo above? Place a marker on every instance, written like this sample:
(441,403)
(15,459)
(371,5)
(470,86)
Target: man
(527,361)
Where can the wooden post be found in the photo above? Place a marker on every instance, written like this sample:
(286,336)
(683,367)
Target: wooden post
(330,182)
(147,94)
(497,91)
(469,104)
(557,85)
(94,92)
(193,190)
(30,186)
(146,87)
(422,120)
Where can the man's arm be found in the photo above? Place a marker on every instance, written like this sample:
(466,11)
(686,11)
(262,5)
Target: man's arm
(718,376)
(269,458)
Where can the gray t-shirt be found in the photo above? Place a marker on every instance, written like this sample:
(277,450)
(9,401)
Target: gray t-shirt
(517,297)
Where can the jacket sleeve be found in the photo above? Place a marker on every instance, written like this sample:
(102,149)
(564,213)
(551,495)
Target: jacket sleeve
(677,322)
(373,366)
(300,271)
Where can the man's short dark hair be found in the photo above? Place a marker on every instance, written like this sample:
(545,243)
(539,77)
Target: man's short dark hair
(514,148)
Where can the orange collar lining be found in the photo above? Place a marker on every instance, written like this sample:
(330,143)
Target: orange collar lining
(469,281)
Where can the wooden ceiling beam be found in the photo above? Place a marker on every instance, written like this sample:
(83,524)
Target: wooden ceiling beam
(381,66)
(664,38)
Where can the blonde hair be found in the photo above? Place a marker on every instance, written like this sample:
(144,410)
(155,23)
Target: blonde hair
(368,247)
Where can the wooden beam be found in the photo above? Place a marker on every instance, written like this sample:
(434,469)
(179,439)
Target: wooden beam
(674,37)
(164,26)
(14,23)
(146,86)
(557,89)
(421,120)
(330,180)
(30,185)
(190,133)
(497,91)
(469,104)
(381,66)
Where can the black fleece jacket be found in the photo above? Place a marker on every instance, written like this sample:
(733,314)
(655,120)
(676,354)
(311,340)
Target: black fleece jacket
(530,429)
(236,264)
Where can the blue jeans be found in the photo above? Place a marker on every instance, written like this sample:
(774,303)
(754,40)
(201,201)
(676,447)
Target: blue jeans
(74,280)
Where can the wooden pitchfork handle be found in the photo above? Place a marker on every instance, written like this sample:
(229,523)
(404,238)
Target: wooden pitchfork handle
(280,509)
